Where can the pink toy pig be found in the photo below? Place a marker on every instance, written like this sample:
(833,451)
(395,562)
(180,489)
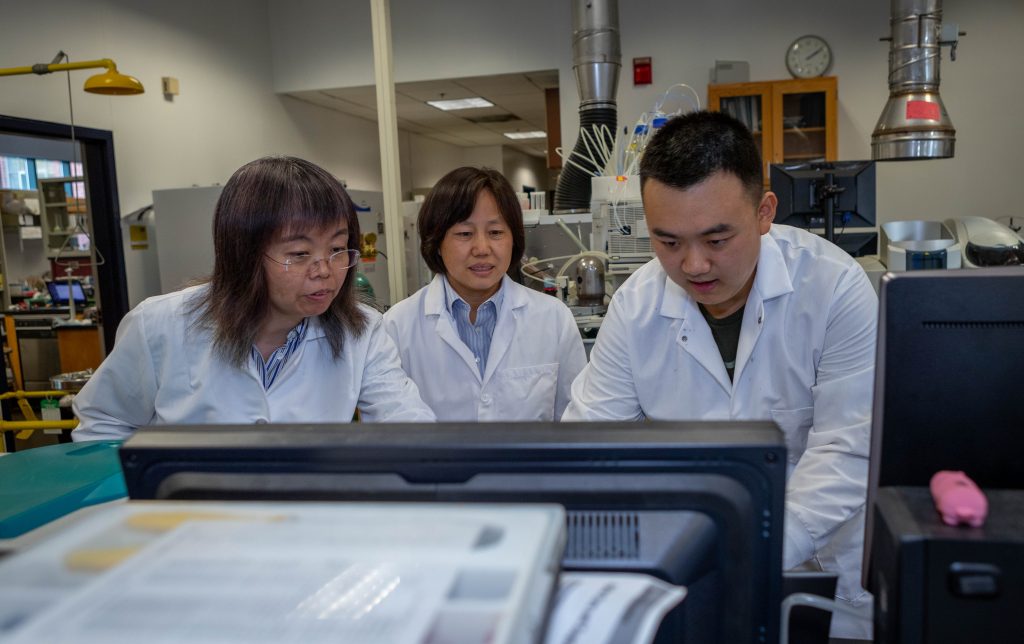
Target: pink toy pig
(958,499)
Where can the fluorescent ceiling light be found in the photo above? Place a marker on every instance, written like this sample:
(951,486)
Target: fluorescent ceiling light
(536,134)
(461,104)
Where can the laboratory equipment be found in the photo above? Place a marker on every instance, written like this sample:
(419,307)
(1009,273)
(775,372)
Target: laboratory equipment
(619,227)
(986,242)
(914,123)
(596,59)
(589,274)
(917,244)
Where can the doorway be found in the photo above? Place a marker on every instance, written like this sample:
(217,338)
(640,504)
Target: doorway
(100,183)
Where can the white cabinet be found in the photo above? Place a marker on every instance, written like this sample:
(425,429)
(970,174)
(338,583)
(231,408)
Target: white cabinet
(64,215)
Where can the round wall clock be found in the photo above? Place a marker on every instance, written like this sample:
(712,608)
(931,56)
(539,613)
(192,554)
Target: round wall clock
(808,56)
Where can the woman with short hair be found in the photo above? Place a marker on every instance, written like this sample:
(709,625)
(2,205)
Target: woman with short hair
(276,334)
(479,346)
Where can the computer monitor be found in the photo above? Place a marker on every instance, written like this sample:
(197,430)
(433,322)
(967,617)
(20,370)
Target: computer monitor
(800,186)
(947,381)
(698,504)
(59,293)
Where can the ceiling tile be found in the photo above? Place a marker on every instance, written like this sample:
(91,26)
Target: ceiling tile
(498,85)
(433,90)
(519,96)
(544,80)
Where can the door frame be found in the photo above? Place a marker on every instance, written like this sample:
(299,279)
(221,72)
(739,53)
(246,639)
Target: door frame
(101,189)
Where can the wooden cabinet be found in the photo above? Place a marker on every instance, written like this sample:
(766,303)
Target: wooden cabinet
(79,347)
(793,121)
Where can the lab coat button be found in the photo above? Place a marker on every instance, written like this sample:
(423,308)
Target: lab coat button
(261,421)
(485,399)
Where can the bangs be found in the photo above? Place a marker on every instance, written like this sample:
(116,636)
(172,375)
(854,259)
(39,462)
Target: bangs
(300,208)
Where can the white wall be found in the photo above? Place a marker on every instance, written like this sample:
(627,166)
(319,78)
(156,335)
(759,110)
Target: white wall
(523,169)
(227,113)
(465,37)
(485,156)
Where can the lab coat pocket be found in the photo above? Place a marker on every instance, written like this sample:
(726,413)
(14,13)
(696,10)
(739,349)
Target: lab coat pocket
(795,424)
(526,393)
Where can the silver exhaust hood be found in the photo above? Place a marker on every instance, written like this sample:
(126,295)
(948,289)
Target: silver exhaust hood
(914,123)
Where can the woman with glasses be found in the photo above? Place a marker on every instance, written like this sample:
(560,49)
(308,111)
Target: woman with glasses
(479,346)
(274,336)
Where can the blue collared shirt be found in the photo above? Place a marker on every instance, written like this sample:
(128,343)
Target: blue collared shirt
(475,336)
(269,368)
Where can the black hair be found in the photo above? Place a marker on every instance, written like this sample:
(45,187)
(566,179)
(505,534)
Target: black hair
(692,147)
(451,201)
(262,199)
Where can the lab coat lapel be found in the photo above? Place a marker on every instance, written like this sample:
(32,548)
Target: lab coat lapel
(197,349)
(694,336)
(771,280)
(513,299)
(436,305)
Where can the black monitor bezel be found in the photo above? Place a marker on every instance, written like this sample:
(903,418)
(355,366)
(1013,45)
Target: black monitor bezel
(785,178)
(626,464)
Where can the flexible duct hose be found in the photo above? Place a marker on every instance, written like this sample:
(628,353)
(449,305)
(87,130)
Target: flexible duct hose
(573,190)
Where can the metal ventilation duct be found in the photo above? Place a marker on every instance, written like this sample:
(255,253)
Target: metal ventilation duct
(596,60)
(914,123)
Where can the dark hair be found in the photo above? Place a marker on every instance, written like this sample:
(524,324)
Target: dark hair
(692,147)
(451,201)
(263,198)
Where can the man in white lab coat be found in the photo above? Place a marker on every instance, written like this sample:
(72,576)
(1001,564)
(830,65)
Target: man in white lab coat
(738,318)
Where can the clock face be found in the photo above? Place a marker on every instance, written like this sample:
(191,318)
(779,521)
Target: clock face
(808,56)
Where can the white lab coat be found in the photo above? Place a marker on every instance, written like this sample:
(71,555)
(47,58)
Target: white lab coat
(536,352)
(163,371)
(805,360)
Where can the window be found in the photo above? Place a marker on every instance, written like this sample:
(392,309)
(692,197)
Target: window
(49,169)
(15,174)
(19,173)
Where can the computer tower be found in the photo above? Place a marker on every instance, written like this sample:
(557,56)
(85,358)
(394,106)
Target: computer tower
(936,583)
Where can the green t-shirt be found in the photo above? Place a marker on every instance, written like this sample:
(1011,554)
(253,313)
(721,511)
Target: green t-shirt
(726,332)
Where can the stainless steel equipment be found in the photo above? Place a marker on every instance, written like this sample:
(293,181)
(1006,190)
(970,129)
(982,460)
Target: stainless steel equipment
(914,123)
(38,348)
(590,281)
(918,244)
(596,59)
(72,381)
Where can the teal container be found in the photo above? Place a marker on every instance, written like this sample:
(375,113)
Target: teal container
(44,483)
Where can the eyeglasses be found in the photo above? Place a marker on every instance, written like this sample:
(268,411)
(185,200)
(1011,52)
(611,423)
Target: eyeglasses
(335,261)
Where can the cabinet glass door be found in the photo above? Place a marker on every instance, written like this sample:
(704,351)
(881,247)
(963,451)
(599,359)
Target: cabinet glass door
(751,104)
(805,121)
(748,110)
(803,127)
(65,215)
